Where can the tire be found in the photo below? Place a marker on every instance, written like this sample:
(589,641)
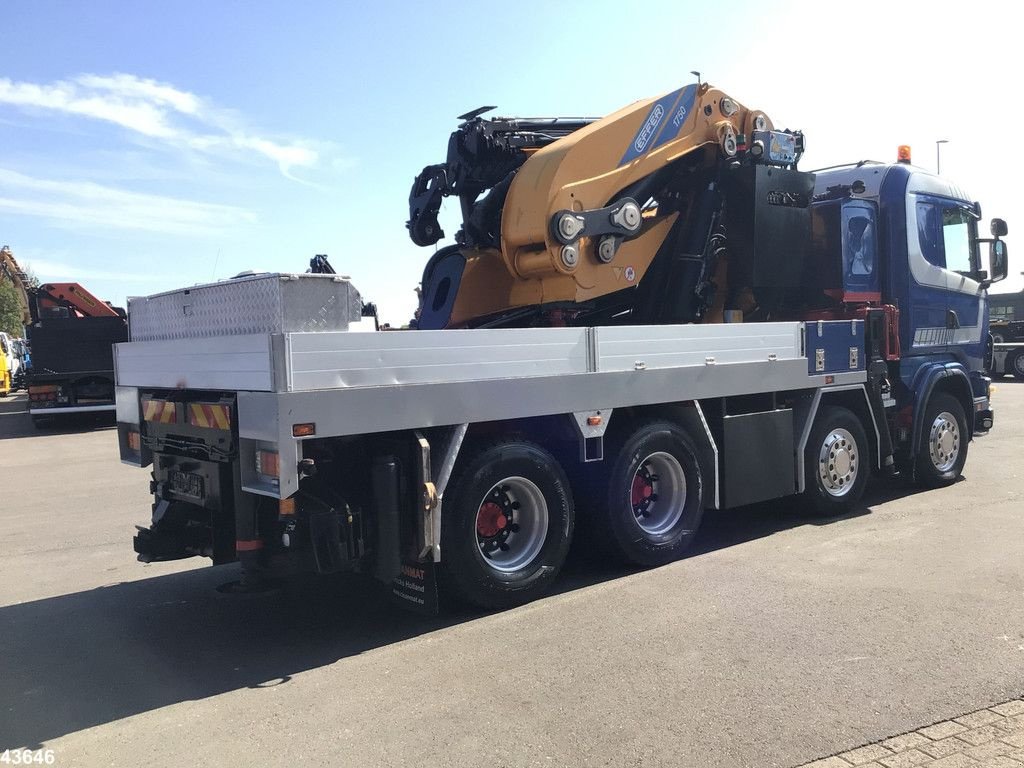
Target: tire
(506,525)
(837,462)
(653,499)
(944,438)
(1015,364)
(997,338)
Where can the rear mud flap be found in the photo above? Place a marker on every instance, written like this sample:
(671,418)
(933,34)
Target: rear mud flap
(415,588)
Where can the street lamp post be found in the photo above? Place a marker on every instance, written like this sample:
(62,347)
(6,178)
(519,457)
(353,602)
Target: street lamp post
(938,155)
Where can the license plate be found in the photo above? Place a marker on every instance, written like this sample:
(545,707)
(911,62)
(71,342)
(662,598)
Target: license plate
(186,484)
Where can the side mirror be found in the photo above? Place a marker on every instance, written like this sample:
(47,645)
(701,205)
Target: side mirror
(998,228)
(997,257)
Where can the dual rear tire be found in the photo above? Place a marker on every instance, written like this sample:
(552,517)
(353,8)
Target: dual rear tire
(508,516)
(649,506)
(507,524)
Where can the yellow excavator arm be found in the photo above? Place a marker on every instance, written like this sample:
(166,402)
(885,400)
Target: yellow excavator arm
(582,220)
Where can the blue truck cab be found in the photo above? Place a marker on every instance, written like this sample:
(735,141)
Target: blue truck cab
(910,242)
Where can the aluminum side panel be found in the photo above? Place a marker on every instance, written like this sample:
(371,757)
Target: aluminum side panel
(386,408)
(622,348)
(327,360)
(228,363)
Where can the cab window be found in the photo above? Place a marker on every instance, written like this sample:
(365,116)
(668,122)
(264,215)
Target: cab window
(956,239)
(944,234)
(859,240)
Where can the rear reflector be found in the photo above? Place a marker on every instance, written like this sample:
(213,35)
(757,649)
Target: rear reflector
(267,463)
(303,430)
(159,411)
(134,441)
(209,416)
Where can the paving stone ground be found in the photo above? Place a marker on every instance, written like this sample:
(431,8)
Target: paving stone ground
(987,738)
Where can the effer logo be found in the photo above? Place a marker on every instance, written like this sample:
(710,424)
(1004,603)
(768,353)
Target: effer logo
(650,126)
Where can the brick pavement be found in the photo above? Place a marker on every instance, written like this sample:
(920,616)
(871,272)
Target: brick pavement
(988,738)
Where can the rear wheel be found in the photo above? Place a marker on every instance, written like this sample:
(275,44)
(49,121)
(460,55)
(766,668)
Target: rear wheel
(836,462)
(943,449)
(506,525)
(654,497)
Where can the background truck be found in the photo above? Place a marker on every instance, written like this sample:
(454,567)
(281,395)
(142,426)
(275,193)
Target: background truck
(11,362)
(72,334)
(644,317)
(1006,323)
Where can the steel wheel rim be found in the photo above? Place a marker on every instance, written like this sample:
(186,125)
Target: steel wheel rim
(657,493)
(511,524)
(838,462)
(1018,364)
(944,442)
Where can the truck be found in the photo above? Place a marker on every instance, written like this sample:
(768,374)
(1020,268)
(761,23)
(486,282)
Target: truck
(11,364)
(1006,318)
(71,334)
(644,317)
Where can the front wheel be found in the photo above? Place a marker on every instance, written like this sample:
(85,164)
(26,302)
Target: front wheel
(836,462)
(1015,364)
(943,449)
(654,497)
(506,525)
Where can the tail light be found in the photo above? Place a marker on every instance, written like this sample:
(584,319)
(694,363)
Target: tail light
(41,392)
(134,441)
(267,463)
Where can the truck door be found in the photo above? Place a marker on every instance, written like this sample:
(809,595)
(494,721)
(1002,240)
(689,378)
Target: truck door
(947,303)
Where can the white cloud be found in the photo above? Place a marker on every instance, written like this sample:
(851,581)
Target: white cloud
(158,111)
(47,270)
(86,203)
(130,85)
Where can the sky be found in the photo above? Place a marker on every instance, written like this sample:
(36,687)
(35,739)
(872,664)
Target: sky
(146,146)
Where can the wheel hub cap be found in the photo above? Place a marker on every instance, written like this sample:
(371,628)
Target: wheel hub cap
(490,520)
(944,442)
(657,493)
(511,524)
(838,462)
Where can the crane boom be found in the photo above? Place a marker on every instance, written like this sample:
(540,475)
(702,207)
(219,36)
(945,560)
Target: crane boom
(650,215)
(73,296)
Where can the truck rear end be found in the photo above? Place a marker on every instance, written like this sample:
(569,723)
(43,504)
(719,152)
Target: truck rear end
(221,489)
(72,365)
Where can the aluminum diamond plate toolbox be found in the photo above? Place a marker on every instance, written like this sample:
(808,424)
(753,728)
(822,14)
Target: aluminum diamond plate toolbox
(265,303)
